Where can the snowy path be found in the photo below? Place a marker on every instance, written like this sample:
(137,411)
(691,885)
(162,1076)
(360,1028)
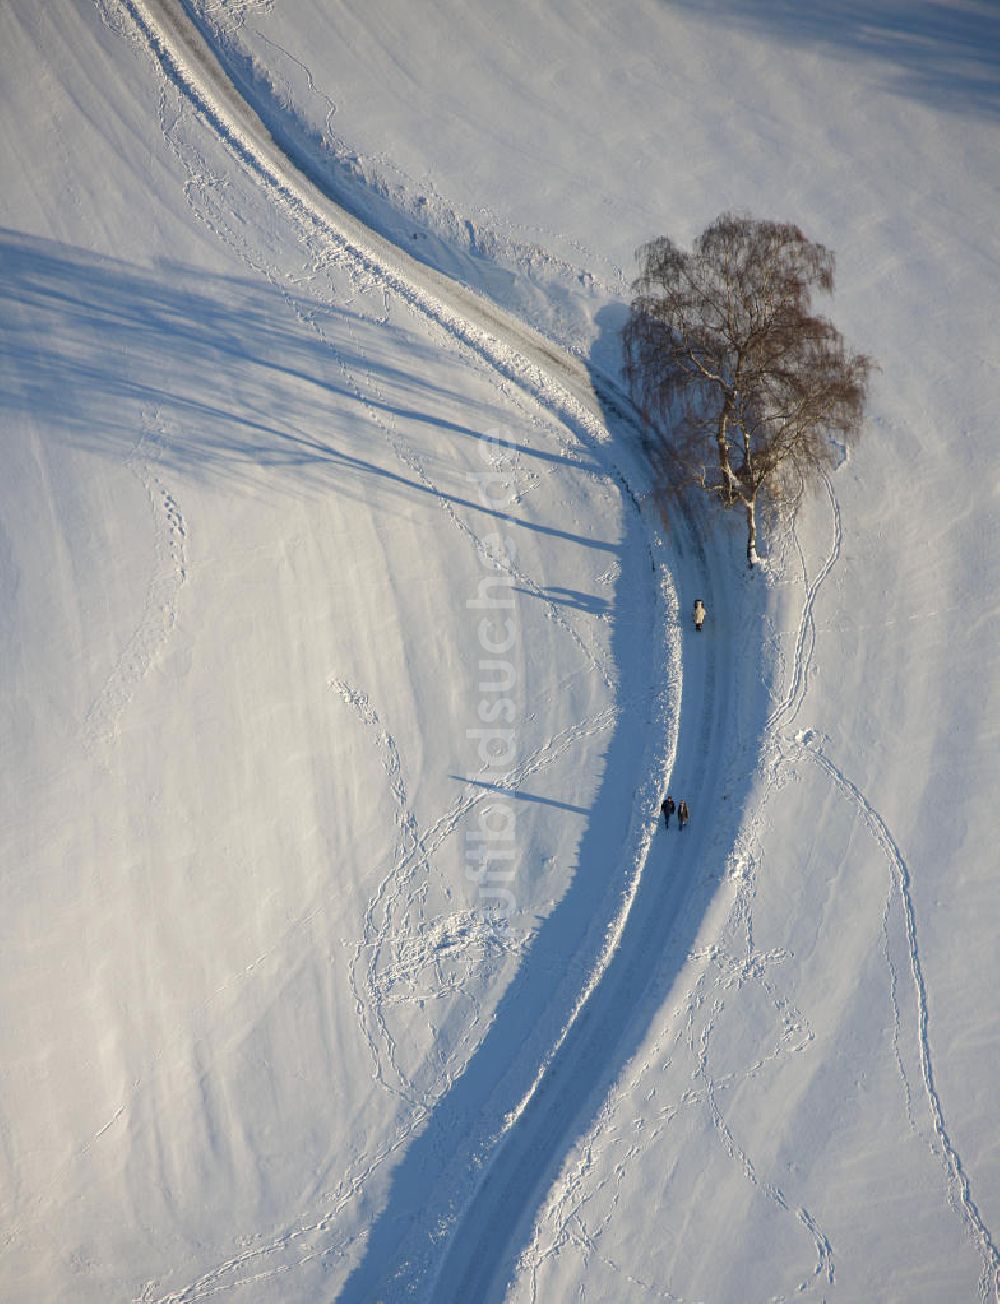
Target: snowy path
(618,996)
(523,1127)
(622,966)
(609,1028)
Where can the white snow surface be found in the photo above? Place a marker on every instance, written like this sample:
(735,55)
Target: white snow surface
(309,328)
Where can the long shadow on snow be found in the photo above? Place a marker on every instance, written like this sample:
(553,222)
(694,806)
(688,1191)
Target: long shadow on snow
(453,1176)
(942,54)
(95,346)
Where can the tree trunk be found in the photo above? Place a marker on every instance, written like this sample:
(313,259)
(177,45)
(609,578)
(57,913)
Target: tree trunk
(751,507)
(725,466)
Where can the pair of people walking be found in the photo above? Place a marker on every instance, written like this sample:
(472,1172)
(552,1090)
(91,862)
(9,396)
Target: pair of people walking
(668,806)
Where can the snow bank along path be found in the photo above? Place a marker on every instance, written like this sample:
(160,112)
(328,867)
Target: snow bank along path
(538,1126)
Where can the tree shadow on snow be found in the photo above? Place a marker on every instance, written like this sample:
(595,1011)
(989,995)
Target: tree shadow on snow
(234,377)
(940,52)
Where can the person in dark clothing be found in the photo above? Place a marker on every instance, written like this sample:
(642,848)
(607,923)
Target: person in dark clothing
(683,815)
(668,806)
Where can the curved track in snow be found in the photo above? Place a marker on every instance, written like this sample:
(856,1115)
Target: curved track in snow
(483,1251)
(552,376)
(630,976)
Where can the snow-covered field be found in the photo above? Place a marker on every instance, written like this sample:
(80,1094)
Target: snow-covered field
(315,487)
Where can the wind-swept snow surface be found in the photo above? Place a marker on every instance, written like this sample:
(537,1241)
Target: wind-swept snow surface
(346,655)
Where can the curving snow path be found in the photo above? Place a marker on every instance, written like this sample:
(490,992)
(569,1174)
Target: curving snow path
(655,923)
(316,1066)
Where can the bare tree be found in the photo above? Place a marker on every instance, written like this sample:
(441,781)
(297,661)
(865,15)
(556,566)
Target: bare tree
(754,393)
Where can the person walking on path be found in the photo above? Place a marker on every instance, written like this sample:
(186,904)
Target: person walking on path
(699,614)
(683,815)
(668,806)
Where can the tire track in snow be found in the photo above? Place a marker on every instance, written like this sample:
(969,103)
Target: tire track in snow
(541,1123)
(752,965)
(563,1222)
(796,1034)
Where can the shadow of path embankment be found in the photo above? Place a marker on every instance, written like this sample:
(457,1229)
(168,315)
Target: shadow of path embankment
(464,1199)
